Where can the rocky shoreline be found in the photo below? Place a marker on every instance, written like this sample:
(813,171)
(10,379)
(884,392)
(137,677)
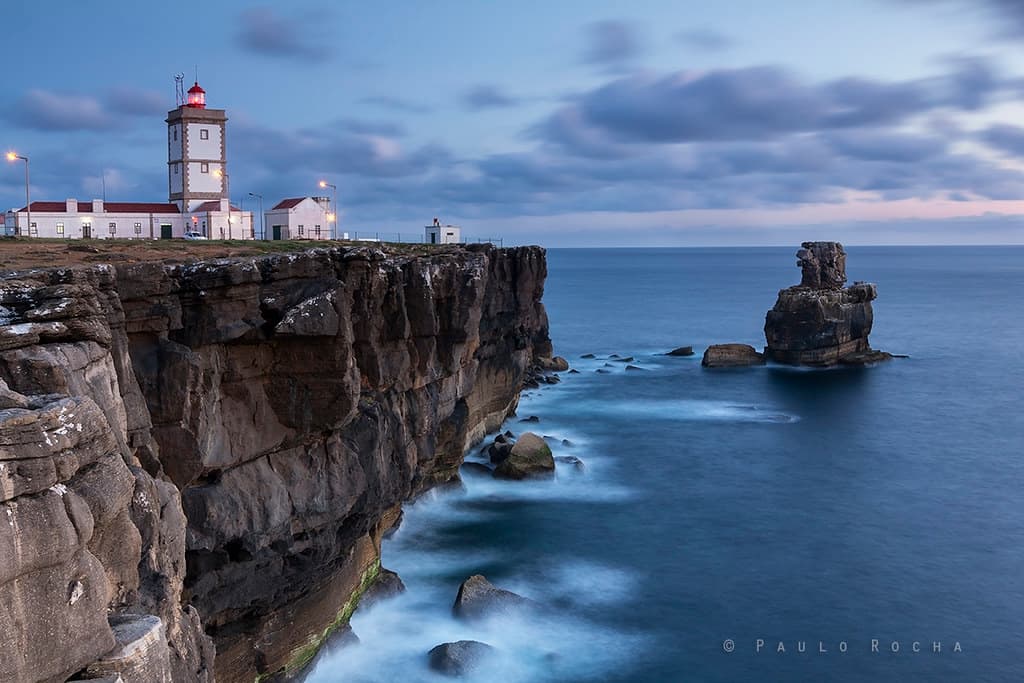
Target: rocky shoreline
(200,460)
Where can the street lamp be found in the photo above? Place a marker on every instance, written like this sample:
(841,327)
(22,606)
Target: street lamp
(259,197)
(334,225)
(11,156)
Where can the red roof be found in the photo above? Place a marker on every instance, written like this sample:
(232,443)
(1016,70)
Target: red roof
(288,203)
(212,205)
(108,207)
(196,88)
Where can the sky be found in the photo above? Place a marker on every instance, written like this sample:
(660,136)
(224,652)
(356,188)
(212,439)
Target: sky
(569,123)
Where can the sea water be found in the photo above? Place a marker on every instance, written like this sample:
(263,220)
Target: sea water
(759,524)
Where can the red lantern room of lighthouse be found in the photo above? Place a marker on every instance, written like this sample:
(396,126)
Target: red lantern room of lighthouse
(196,97)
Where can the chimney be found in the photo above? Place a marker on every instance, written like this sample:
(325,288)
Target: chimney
(225,204)
(97,206)
(71,205)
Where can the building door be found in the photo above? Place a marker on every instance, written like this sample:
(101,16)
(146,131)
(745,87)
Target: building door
(86,230)
(277,232)
(166,232)
(433,238)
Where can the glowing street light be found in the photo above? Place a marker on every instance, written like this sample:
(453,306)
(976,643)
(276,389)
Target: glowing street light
(332,217)
(13,156)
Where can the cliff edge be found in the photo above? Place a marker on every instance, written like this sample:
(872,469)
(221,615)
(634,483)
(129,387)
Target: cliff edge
(200,455)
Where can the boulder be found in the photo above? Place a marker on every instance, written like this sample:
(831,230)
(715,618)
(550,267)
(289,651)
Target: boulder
(499,451)
(634,367)
(478,597)
(529,457)
(532,418)
(477,468)
(459,658)
(731,356)
(588,356)
(681,351)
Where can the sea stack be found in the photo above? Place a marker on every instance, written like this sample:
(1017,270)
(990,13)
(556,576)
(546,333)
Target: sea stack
(821,322)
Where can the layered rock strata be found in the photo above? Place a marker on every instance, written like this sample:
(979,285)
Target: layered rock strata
(209,453)
(822,322)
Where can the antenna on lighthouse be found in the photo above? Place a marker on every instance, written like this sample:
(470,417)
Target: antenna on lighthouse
(179,89)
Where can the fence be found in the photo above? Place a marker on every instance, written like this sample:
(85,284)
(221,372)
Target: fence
(408,237)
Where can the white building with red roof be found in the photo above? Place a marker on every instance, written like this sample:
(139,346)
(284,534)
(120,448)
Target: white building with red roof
(197,183)
(299,218)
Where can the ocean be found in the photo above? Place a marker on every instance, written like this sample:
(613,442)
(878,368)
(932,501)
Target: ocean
(728,519)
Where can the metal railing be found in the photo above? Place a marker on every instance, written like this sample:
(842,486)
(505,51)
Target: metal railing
(409,238)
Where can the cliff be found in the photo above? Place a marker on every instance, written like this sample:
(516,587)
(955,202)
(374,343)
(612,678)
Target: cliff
(822,322)
(207,454)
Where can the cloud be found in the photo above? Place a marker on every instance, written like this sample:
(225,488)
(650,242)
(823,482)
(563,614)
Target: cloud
(704,39)
(1005,138)
(756,103)
(137,102)
(485,96)
(264,32)
(50,111)
(397,104)
(611,43)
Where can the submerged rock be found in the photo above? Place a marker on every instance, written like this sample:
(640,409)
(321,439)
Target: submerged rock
(588,356)
(388,585)
(476,468)
(459,658)
(532,418)
(478,597)
(681,351)
(556,364)
(820,322)
(634,367)
(572,461)
(731,356)
(529,457)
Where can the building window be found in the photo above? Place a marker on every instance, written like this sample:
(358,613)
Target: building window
(204,134)
(138,228)
(317,229)
(175,129)
(175,169)
(301,229)
(60,228)
(204,167)
(33,231)
(113,228)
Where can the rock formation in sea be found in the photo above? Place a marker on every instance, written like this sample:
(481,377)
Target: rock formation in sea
(202,458)
(731,356)
(822,322)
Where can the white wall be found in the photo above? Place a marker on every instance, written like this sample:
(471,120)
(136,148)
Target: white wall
(174,145)
(177,175)
(445,234)
(307,214)
(204,182)
(204,149)
(47,224)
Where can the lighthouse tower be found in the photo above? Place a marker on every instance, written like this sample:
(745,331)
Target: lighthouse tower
(196,154)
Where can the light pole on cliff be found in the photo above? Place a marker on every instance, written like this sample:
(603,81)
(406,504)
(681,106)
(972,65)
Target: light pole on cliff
(334,225)
(12,156)
(259,199)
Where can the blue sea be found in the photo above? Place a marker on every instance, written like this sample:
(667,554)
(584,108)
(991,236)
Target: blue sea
(725,515)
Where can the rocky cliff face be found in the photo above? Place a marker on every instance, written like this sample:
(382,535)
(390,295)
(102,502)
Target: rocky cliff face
(820,321)
(209,453)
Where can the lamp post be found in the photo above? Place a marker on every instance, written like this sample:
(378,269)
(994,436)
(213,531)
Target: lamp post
(12,156)
(259,198)
(334,225)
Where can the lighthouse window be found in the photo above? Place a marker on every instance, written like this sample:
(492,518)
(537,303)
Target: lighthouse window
(175,133)
(204,134)
(175,169)
(204,168)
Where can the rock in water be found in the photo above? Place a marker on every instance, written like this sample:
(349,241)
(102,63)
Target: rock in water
(388,585)
(731,356)
(556,364)
(820,322)
(478,597)
(530,457)
(681,351)
(459,658)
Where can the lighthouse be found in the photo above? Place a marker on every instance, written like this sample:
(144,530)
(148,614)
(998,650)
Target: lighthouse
(196,153)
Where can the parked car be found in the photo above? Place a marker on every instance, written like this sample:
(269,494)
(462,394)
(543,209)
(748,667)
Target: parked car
(193,235)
